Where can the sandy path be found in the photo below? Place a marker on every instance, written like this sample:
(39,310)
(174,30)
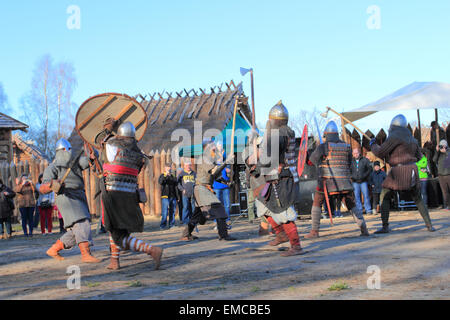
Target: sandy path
(414,264)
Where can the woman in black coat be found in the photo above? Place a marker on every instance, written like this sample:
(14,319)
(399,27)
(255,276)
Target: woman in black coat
(6,209)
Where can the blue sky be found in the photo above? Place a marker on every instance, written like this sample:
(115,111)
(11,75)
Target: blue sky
(307,53)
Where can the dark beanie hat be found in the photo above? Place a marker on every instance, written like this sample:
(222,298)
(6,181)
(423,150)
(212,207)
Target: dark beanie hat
(376,163)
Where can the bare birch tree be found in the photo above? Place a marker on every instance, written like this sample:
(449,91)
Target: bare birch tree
(49,98)
(65,83)
(297,122)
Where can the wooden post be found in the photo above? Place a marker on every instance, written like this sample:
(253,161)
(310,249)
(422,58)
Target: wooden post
(420,128)
(147,187)
(344,132)
(140,186)
(93,182)
(157,193)
(437,126)
(151,187)
(87,187)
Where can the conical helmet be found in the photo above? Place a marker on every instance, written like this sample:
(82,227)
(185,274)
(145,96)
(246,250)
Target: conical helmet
(279,112)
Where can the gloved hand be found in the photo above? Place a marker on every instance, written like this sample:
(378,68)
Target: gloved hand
(57,186)
(372,141)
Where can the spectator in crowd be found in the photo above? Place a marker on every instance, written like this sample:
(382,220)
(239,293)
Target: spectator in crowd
(361,170)
(442,136)
(422,166)
(442,158)
(186,182)
(337,202)
(168,182)
(62,230)
(45,204)
(376,179)
(221,186)
(26,203)
(6,209)
(179,170)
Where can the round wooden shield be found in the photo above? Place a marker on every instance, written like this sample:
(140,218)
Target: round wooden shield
(302,152)
(94,111)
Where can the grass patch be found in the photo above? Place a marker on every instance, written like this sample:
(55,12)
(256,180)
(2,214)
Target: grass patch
(163,283)
(222,287)
(135,284)
(255,289)
(92,284)
(339,286)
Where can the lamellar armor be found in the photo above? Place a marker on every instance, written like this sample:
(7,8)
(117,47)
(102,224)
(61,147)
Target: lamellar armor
(123,163)
(334,169)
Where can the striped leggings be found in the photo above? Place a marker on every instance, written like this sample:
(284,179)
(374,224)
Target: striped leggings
(124,241)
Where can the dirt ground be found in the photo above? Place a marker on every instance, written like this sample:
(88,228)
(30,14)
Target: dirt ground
(413,264)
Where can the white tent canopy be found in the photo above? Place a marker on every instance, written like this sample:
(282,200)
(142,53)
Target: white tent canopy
(417,95)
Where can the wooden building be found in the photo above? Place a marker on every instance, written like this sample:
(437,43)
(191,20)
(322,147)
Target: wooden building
(7,125)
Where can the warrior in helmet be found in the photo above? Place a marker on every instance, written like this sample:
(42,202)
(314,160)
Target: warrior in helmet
(208,205)
(64,177)
(122,161)
(274,179)
(333,159)
(402,152)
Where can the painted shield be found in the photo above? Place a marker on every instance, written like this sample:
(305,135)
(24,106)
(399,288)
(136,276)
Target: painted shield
(93,113)
(302,153)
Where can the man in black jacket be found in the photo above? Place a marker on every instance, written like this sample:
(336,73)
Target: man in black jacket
(361,170)
(168,182)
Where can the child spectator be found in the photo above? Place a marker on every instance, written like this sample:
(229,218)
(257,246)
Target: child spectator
(376,179)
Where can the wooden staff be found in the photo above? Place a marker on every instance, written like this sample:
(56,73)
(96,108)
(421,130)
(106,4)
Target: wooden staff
(349,122)
(328,201)
(234,125)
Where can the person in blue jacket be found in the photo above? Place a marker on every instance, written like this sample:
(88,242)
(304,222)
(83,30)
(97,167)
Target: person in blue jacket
(222,187)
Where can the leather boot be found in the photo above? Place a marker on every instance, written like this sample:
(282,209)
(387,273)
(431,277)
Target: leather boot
(263,232)
(156,254)
(364,231)
(53,251)
(114,263)
(312,234)
(293,251)
(384,229)
(187,233)
(281,237)
(86,253)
